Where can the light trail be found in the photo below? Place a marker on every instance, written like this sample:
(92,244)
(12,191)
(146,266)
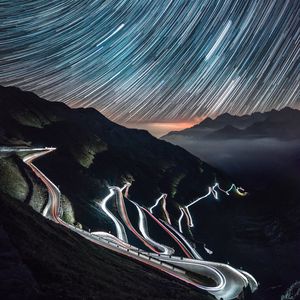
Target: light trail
(107,236)
(52,188)
(165,209)
(163,197)
(144,230)
(180,219)
(211,190)
(219,40)
(183,248)
(121,232)
(156,203)
(123,213)
(111,35)
(210,252)
(241,191)
(236,56)
(214,192)
(228,190)
(228,282)
(190,219)
(191,249)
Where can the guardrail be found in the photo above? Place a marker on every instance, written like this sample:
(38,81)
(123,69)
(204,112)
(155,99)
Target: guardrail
(135,251)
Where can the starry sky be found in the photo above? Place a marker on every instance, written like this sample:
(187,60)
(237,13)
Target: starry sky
(159,65)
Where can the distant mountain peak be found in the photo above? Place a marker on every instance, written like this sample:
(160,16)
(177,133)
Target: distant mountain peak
(257,124)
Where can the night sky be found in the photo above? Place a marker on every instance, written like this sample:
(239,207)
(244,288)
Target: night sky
(156,64)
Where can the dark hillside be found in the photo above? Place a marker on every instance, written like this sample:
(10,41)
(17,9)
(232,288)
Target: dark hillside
(93,152)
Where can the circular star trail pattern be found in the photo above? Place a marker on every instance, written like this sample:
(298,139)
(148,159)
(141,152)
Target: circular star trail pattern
(144,60)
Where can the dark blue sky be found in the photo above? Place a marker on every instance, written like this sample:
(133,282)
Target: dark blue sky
(157,62)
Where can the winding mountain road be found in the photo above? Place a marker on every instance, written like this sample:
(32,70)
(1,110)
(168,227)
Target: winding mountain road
(220,280)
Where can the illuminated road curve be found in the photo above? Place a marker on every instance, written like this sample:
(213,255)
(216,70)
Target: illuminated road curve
(230,279)
(143,226)
(121,232)
(228,283)
(144,238)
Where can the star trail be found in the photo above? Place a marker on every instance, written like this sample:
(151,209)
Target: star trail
(154,61)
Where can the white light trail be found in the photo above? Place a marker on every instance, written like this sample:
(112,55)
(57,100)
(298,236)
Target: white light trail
(111,35)
(210,252)
(121,233)
(228,282)
(211,190)
(165,209)
(219,40)
(194,202)
(143,227)
(163,197)
(195,254)
(180,219)
(156,203)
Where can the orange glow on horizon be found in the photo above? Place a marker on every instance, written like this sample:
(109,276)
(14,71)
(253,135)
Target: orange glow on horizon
(159,129)
(156,128)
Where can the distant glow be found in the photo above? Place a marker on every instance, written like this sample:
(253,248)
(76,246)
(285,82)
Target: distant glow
(241,191)
(160,129)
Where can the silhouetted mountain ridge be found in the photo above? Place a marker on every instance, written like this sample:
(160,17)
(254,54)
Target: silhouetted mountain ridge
(280,124)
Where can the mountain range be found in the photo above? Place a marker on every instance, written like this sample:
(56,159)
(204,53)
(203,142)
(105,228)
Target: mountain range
(261,152)
(283,124)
